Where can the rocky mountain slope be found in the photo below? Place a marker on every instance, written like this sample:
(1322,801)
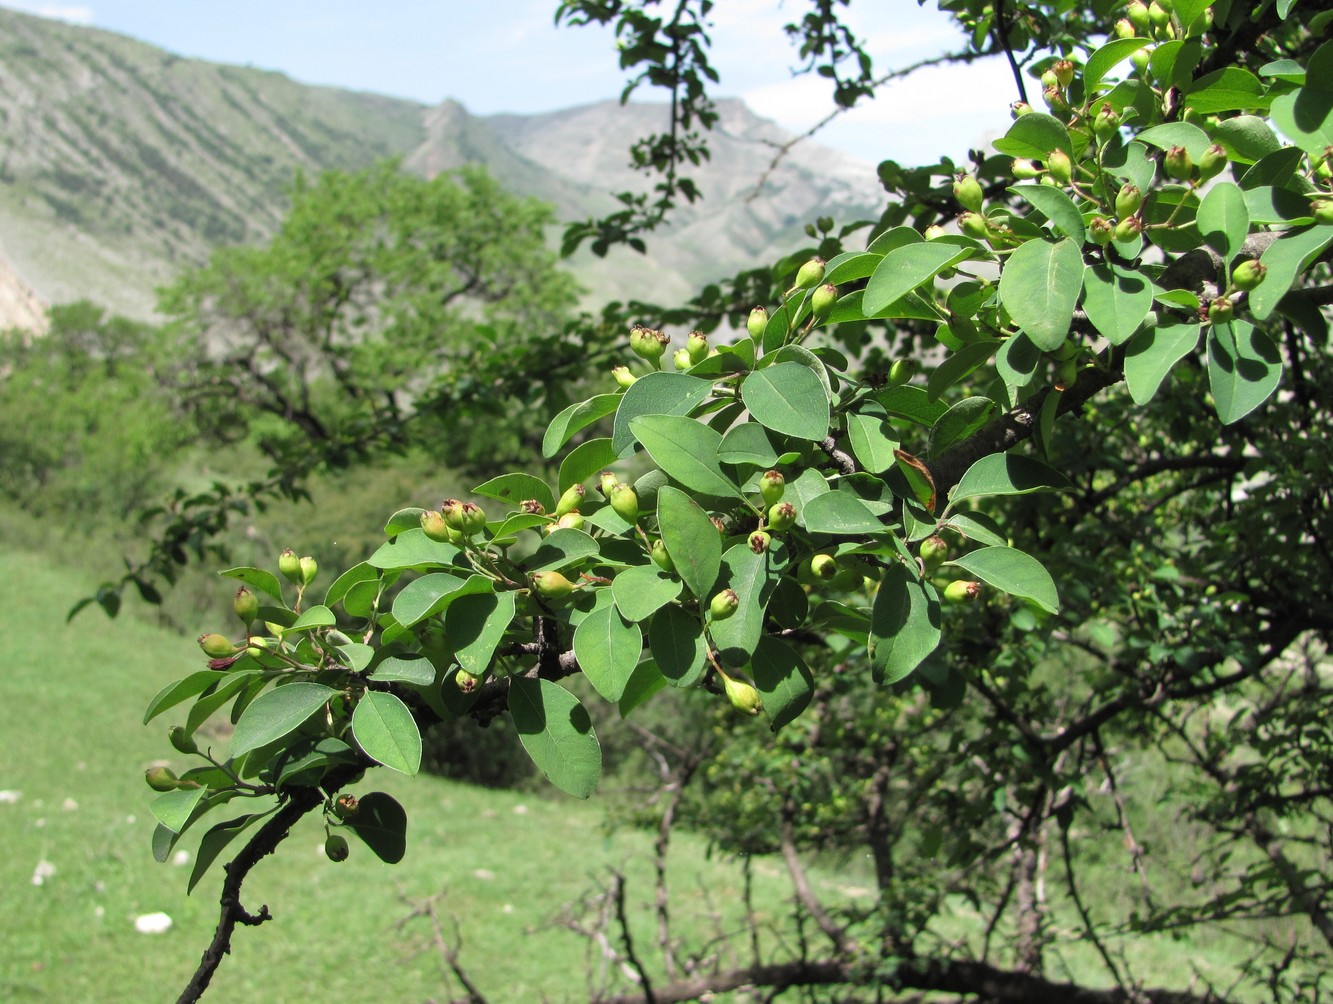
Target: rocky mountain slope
(121,163)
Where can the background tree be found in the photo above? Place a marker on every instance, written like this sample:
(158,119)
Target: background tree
(1082,561)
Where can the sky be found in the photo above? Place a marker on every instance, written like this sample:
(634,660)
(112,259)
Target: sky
(507,56)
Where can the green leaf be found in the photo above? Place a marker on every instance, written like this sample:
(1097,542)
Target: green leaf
(871,437)
(1244,368)
(1040,286)
(1229,89)
(1017,362)
(903,269)
(784,683)
(753,577)
(641,590)
(381,823)
(913,404)
(1011,571)
(1007,474)
(840,513)
(403,519)
(644,682)
(385,730)
(313,617)
(173,808)
(474,625)
(655,394)
(1034,136)
(516,488)
(676,640)
(1286,258)
(1223,219)
(747,443)
(904,625)
(964,418)
(277,713)
(608,650)
(686,450)
(789,399)
(563,548)
(691,540)
(1106,58)
(1246,138)
(265,582)
(583,462)
(1191,137)
(428,595)
(364,572)
(1056,206)
(557,733)
(959,365)
(215,841)
(1152,353)
(413,549)
(1172,63)
(418,671)
(574,418)
(1116,300)
(182,690)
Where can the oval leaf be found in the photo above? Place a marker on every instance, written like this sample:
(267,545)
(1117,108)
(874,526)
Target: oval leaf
(608,650)
(686,450)
(385,730)
(691,539)
(557,734)
(1039,287)
(789,399)
(904,625)
(1244,368)
(275,714)
(1011,571)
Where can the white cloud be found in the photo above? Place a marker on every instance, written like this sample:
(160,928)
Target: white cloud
(74,15)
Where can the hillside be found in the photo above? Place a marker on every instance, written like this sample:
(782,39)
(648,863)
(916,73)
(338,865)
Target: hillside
(120,163)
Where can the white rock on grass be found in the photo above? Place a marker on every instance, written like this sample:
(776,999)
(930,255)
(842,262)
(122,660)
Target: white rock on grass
(42,872)
(152,923)
(8,797)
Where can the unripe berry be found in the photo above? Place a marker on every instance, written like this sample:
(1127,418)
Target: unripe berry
(1060,166)
(772,486)
(474,519)
(216,646)
(606,481)
(1100,230)
(181,740)
(661,558)
(1212,161)
(1123,28)
(623,376)
(934,552)
(1322,209)
(901,372)
(1066,374)
(974,225)
(466,682)
(757,322)
(696,343)
(681,359)
(570,499)
(161,779)
(290,566)
(1248,274)
(434,526)
(1056,102)
(335,847)
(647,343)
(822,300)
(962,591)
(1140,58)
(1019,108)
(1106,122)
(572,520)
(933,232)
(246,605)
(532,507)
(823,566)
(625,503)
(1220,311)
(781,516)
(346,806)
(257,645)
(1128,228)
(1178,164)
(1137,15)
(1158,16)
(1024,169)
(809,274)
(759,541)
(1064,72)
(1049,79)
(309,569)
(847,577)
(724,604)
(551,585)
(742,696)
(967,190)
(452,510)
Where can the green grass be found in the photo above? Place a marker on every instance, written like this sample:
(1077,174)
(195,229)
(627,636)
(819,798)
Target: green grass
(71,699)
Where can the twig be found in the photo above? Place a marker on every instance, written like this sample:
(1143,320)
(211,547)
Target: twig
(618,892)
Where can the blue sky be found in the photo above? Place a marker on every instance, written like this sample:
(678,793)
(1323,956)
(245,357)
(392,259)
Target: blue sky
(507,56)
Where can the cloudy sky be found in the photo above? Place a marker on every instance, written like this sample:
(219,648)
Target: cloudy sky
(507,56)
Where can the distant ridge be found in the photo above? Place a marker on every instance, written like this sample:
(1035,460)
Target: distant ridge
(121,163)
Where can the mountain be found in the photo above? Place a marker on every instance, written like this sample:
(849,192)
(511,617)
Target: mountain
(121,163)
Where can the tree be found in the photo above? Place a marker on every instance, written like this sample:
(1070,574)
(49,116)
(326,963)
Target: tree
(1083,556)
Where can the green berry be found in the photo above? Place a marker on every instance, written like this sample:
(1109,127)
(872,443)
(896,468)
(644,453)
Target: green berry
(335,847)
(346,806)
(772,486)
(452,510)
(967,190)
(696,344)
(661,558)
(901,372)
(572,520)
(1322,209)
(962,591)
(1248,274)
(161,779)
(1064,72)
(1024,169)
(246,605)
(974,225)
(570,499)
(781,516)
(756,323)
(1128,200)
(606,483)
(1220,311)
(532,507)
(551,585)
(466,682)
(933,232)
(681,359)
(743,697)
(309,569)
(823,566)
(434,526)
(724,604)
(1123,28)
(290,566)
(1060,166)
(181,740)
(1128,228)
(1137,15)
(648,343)
(1106,122)
(474,519)
(623,376)
(759,541)
(810,274)
(822,300)
(625,503)
(934,551)
(1211,163)
(1100,230)
(1178,164)
(217,646)
(1019,108)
